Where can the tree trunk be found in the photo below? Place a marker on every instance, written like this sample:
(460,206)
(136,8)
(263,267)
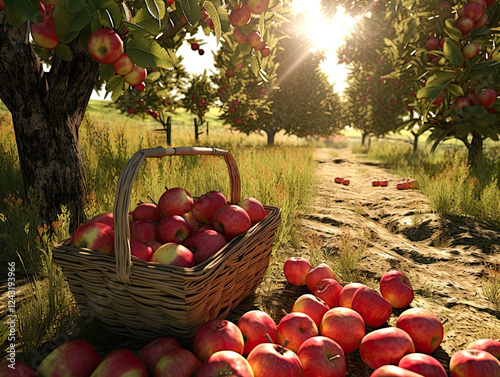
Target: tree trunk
(196,133)
(415,141)
(270,137)
(363,138)
(475,148)
(47,109)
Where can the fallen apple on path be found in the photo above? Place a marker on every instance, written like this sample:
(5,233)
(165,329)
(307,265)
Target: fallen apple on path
(296,269)
(217,335)
(489,345)
(269,359)
(474,363)
(154,350)
(318,273)
(345,297)
(119,363)
(424,327)
(344,326)
(177,362)
(374,309)
(257,327)
(294,329)
(312,306)
(423,364)
(393,371)
(396,288)
(225,363)
(321,356)
(329,292)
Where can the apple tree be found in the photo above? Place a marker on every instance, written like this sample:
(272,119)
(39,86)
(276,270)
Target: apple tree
(55,52)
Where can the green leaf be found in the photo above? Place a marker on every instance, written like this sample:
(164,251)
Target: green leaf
(453,52)
(463,130)
(214,15)
(452,31)
(153,76)
(224,19)
(192,11)
(70,23)
(455,90)
(114,83)
(23,9)
(138,28)
(146,21)
(155,9)
(147,53)
(112,11)
(63,52)
(106,71)
(262,25)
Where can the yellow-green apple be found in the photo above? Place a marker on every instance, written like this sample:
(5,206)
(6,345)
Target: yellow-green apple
(174,254)
(424,327)
(296,269)
(470,50)
(239,36)
(269,359)
(489,345)
(345,297)
(254,38)
(240,16)
(396,288)
(143,230)
(373,308)
(105,218)
(193,222)
(207,204)
(294,328)
(486,97)
(105,46)
(385,346)
(173,228)
(153,244)
(329,291)
(95,236)
(321,356)
(312,306)
(204,244)
(123,65)
(474,363)
(231,220)
(140,250)
(258,6)
(136,76)
(154,350)
(44,34)
(423,364)
(225,363)
(16,368)
(255,325)
(175,201)
(146,211)
(473,10)
(345,326)
(75,358)
(217,335)
(119,363)
(394,371)
(254,208)
(318,273)
(178,362)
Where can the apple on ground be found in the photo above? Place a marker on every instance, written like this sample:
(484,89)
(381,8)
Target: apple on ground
(95,236)
(44,34)
(154,350)
(240,16)
(294,329)
(217,335)
(318,273)
(105,46)
(344,326)
(474,363)
(258,6)
(123,65)
(204,244)
(424,327)
(345,297)
(193,222)
(225,363)
(296,269)
(174,254)
(231,220)
(175,201)
(373,308)
(312,306)
(143,230)
(321,356)
(269,359)
(489,345)
(394,371)
(396,288)
(385,346)
(177,362)
(105,218)
(75,358)
(173,228)
(329,292)
(146,211)
(18,368)
(256,326)
(207,204)
(119,363)
(254,208)
(423,364)
(140,250)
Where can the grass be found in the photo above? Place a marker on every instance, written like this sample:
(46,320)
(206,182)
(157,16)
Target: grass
(491,287)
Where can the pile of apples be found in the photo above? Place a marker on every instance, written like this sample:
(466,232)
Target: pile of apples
(179,231)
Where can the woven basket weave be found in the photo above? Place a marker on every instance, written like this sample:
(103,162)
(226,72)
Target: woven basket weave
(151,300)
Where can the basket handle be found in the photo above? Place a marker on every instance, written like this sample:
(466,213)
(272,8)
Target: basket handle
(124,190)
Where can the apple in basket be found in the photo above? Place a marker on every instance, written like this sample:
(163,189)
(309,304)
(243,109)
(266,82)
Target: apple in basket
(119,363)
(175,201)
(257,327)
(105,218)
(204,244)
(318,273)
(193,222)
(207,204)
(312,306)
(140,249)
(294,329)
(16,369)
(321,356)
(296,269)
(154,350)
(231,221)
(254,208)
(95,236)
(146,211)
(75,358)
(225,363)
(345,326)
(178,362)
(269,359)
(217,335)
(173,228)
(143,230)
(174,254)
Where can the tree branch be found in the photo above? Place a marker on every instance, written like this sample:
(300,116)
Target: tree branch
(173,27)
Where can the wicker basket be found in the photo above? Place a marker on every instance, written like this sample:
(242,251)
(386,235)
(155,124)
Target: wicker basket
(150,300)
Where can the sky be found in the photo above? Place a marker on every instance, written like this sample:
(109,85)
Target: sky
(325,34)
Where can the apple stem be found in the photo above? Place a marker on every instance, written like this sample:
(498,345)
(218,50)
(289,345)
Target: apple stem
(285,344)
(334,357)
(152,200)
(284,311)
(269,338)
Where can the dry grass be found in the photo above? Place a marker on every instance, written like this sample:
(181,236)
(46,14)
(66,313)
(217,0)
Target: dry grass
(491,287)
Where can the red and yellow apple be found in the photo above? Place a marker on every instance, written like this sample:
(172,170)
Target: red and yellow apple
(204,244)
(294,328)
(345,297)
(489,345)
(344,326)
(318,273)
(254,208)
(207,204)
(296,269)
(424,327)
(105,46)
(474,363)
(373,308)
(173,228)
(394,371)
(123,65)
(177,362)
(119,363)
(269,359)
(174,254)
(136,76)
(423,364)
(396,288)
(256,326)
(321,356)
(231,220)
(329,292)
(225,363)
(95,236)
(146,211)
(312,306)
(154,350)
(217,335)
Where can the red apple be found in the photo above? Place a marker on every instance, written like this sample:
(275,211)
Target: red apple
(396,288)
(140,250)
(175,201)
(265,52)
(296,269)
(465,24)
(153,244)
(462,102)
(136,76)
(345,297)
(178,362)
(173,228)
(44,34)
(174,254)
(373,308)
(489,345)
(345,326)
(140,87)
(318,273)
(432,43)
(393,371)
(483,21)
(154,350)
(482,2)
(254,208)
(207,204)
(123,65)
(75,358)
(231,221)
(105,46)
(143,230)
(274,360)
(255,325)
(423,364)
(329,292)
(204,244)
(470,50)
(193,222)
(95,236)
(473,10)
(258,6)
(2,5)
(225,363)
(254,38)
(240,16)
(385,346)
(16,368)
(217,335)
(239,36)
(230,73)
(424,327)
(474,363)
(119,363)
(486,97)
(105,218)
(321,356)
(295,328)
(146,211)
(312,306)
